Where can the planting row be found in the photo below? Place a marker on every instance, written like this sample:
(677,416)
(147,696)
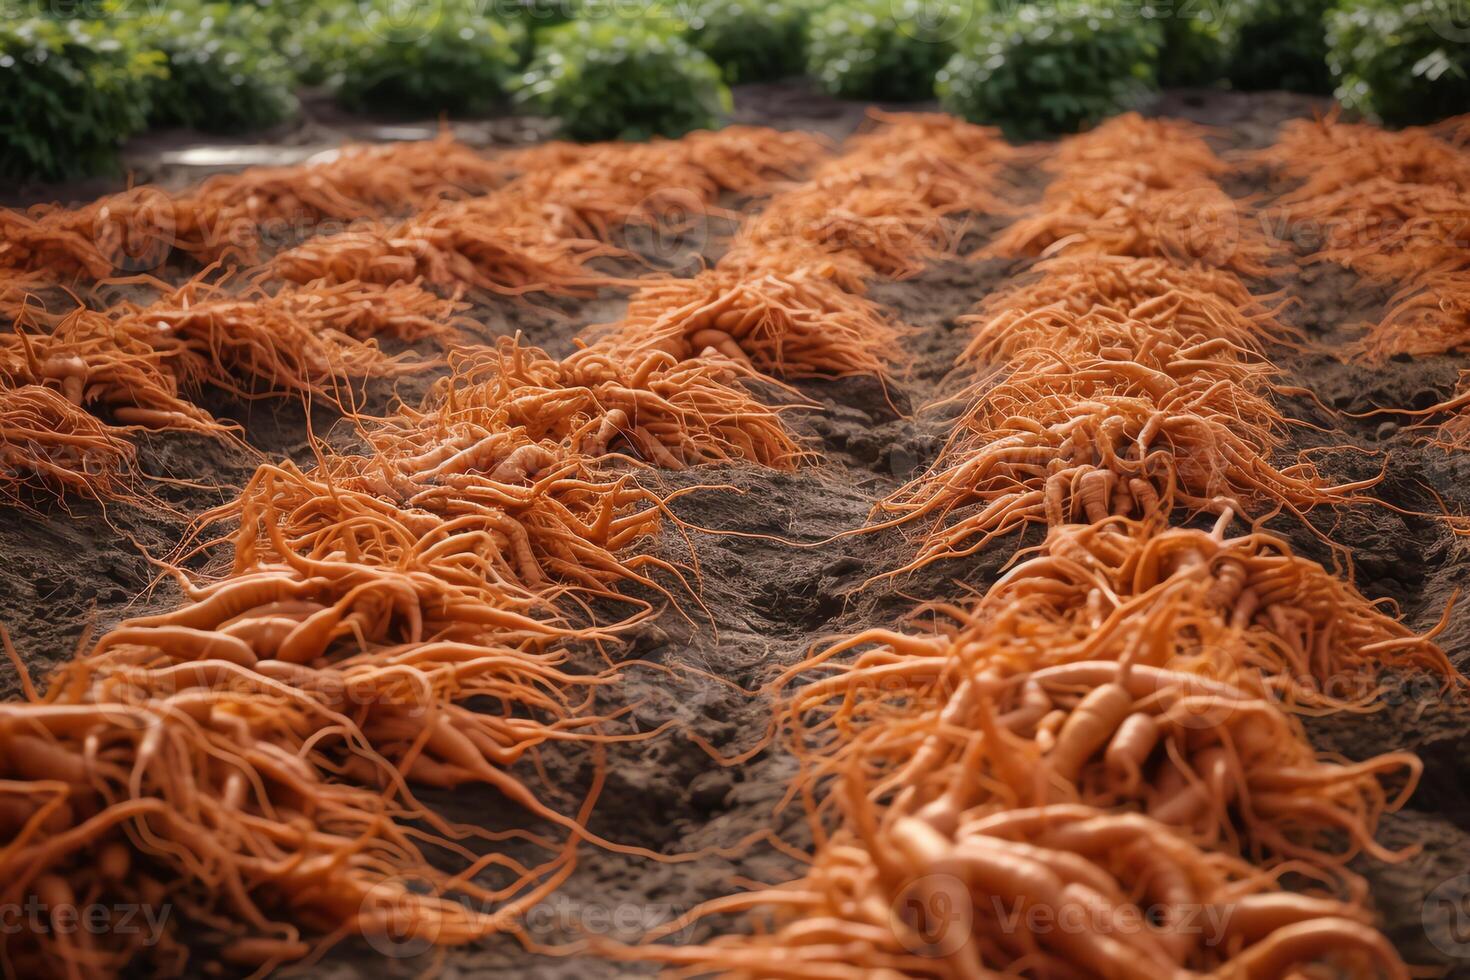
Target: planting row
(78,379)
(1099,767)
(1392,208)
(425,611)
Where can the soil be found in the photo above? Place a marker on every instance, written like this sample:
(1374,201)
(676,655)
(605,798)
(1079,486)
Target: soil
(767,601)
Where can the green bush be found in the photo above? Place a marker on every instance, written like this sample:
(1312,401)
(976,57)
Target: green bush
(224,74)
(1280,44)
(879,49)
(70,93)
(1403,62)
(751,40)
(441,57)
(535,15)
(1051,69)
(620,78)
(1197,40)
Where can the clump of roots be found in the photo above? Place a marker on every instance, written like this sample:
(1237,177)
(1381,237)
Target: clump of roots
(50,446)
(229,215)
(474,244)
(96,363)
(1331,156)
(1182,303)
(1098,435)
(883,897)
(666,412)
(1104,214)
(314,339)
(798,324)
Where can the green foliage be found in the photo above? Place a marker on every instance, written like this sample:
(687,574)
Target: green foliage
(620,78)
(1403,61)
(534,15)
(224,74)
(1051,69)
(1198,37)
(70,93)
(751,40)
(444,56)
(1280,44)
(883,49)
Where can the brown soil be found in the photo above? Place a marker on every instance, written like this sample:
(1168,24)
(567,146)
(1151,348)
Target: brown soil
(769,602)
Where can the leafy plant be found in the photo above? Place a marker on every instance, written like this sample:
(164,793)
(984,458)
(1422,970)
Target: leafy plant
(223,72)
(1198,38)
(70,93)
(440,57)
(535,15)
(1051,69)
(1404,61)
(1280,44)
(883,49)
(623,78)
(751,40)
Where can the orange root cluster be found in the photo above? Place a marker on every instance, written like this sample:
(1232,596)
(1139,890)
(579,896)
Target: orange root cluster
(247,756)
(49,445)
(541,230)
(1096,768)
(1066,890)
(1329,156)
(1108,736)
(890,201)
(1097,399)
(397,616)
(796,324)
(1099,739)
(593,191)
(228,216)
(1391,207)
(1176,302)
(312,340)
(786,299)
(1140,188)
(140,365)
(476,244)
(96,363)
(660,409)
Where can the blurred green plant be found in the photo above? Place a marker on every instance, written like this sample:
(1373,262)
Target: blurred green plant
(224,74)
(751,40)
(1279,44)
(885,49)
(1198,38)
(70,93)
(1401,62)
(1051,68)
(536,14)
(623,78)
(442,56)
